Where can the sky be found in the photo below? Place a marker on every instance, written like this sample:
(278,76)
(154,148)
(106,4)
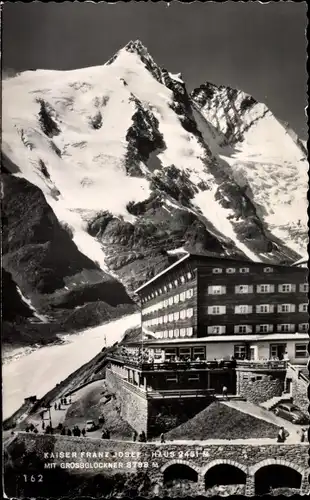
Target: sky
(259,48)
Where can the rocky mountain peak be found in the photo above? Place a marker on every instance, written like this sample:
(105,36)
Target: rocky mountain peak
(137,47)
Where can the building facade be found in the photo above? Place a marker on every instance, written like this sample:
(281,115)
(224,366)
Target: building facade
(220,300)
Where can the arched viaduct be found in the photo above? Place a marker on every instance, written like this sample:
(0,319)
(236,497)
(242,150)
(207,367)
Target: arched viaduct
(255,466)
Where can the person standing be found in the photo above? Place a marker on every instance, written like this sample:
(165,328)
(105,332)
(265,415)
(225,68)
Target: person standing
(225,392)
(282,435)
(134,436)
(303,435)
(55,406)
(162,438)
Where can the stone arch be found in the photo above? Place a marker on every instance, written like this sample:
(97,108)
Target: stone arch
(180,462)
(276,461)
(223,461)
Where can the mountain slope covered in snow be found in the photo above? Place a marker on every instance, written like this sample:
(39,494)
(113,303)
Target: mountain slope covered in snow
(131,167)
(265,156)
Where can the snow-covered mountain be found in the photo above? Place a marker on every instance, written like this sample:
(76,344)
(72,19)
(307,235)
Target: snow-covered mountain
(132,167)
(264,154)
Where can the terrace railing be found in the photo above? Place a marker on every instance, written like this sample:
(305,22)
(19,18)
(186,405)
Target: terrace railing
(173,365)
(263,364)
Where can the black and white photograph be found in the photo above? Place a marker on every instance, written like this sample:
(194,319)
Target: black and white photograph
(154,178)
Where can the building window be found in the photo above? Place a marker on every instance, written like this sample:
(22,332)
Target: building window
(183,314)
(177,332)
(243,309)
(165,334)
(189,293)
(176,299)
(230,270)
(156,293)
(216,309)
(193,378)
(199,352)
(216,329)
(216,290)
(184,352)
(182,279)
(244,270)
(303,307)
(285,328)
(285,288)
(217,270)
(268,270)
(176,282)
(160,320)
(301,350)
(244,289)
(170,317)
(182,332)
(170,301)
(243,329)
(304,287)
(265,288)
(165,288)
(285,308)
(189,276)
(170,334)
(176,316)
(182,296)
(171,378)
(189,331)
(264,308)
(239,351)
(190,312)
(160,291)
(165,318)
(264,328)
(303,327)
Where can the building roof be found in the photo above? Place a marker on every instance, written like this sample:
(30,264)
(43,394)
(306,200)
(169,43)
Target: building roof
(303,260)
(211,255)
(232,338)
(163,272)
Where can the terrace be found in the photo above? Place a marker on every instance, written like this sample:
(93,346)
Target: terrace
(168,365)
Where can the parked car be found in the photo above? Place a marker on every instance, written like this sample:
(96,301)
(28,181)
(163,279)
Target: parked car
(91,426)
(291,412)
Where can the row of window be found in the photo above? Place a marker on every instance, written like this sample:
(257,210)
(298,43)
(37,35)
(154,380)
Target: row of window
(178,281)
(240,351)
(263,288)
(261,308)
(176,333)
(301,351)
(285,327)
(168,318)
(242,270)
(175,299)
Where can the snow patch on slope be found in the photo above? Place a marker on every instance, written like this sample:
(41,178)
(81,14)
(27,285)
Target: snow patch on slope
(42,318)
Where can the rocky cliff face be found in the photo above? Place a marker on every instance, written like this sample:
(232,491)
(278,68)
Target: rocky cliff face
(109,168)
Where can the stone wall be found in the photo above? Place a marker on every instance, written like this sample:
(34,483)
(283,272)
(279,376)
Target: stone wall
(300,394)
(133,406)
(258,387)
(155,458)
(165,415)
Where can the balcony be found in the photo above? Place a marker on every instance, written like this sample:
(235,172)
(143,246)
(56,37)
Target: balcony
(263,365)
(173,365)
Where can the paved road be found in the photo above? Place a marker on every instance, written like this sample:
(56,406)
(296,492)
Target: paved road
(268,416)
